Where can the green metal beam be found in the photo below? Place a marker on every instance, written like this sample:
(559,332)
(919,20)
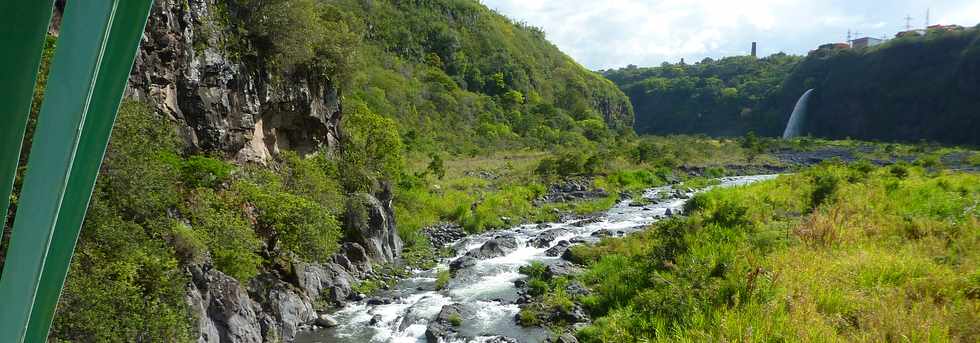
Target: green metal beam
(84,88)
(125,32)
(23,25)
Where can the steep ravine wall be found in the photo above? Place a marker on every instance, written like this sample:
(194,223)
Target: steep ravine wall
(222,104)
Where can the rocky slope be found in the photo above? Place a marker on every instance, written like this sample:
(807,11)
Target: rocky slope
(279,303)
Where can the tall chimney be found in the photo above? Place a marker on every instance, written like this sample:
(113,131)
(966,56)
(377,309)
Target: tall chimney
(753,49)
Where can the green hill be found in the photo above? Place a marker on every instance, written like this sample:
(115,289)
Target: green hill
(908,89)
(449,71)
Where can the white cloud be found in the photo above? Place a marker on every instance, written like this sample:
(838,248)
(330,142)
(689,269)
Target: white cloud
(614,33)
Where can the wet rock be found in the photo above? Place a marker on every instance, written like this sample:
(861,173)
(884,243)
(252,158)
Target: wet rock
(602,233)
(558,249)
(376,319)
(378,301)
(326,321)
(566,338)
(501,339)
(587,221)
(499,246)
(669,213)
(462,263)
(441,329)
(571,190)
(544,239)
(570,257)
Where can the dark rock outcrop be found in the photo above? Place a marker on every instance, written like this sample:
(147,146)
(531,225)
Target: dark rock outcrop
(370,222)
(223,308)
(220,102)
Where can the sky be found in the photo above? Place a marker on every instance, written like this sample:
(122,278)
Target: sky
(603,34)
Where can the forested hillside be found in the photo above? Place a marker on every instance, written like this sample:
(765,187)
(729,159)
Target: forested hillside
(453,73)
(718,98)
(908,89)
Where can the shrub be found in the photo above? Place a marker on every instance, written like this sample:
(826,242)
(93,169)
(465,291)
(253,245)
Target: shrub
(825,184)
(137,176)
(373,149)
(436,166)
(229,236)
(534,270)
(455,319)
(314,178)
(188,245)
(124,281)
(293,223)
(442,279)
(202,171)
(930,162)
(529,316)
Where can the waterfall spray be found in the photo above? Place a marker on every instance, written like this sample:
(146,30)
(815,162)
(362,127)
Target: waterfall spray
(794,127)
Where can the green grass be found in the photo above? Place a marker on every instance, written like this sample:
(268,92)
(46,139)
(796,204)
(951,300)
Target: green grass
(873,258)
(455,319)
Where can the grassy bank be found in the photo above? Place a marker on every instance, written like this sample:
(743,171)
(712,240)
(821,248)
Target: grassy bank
(834,253)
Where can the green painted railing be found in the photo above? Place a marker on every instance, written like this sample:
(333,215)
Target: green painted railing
(95,52)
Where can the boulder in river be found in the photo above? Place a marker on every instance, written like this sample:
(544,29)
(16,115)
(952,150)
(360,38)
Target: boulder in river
(499,246)
(544,239)
(558,249)
(462,263)
(325,320)
(442,329)
(602,233)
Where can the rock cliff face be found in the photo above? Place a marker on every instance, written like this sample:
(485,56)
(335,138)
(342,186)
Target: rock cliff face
(220,102)
(223,104)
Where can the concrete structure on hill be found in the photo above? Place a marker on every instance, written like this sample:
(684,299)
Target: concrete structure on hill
(866,42)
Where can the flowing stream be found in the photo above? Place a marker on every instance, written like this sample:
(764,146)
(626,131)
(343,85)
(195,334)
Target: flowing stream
(486,290)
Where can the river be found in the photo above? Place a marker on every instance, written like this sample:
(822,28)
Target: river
(486,290)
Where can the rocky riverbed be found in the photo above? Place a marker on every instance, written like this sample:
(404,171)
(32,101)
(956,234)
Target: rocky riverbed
(481,300)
